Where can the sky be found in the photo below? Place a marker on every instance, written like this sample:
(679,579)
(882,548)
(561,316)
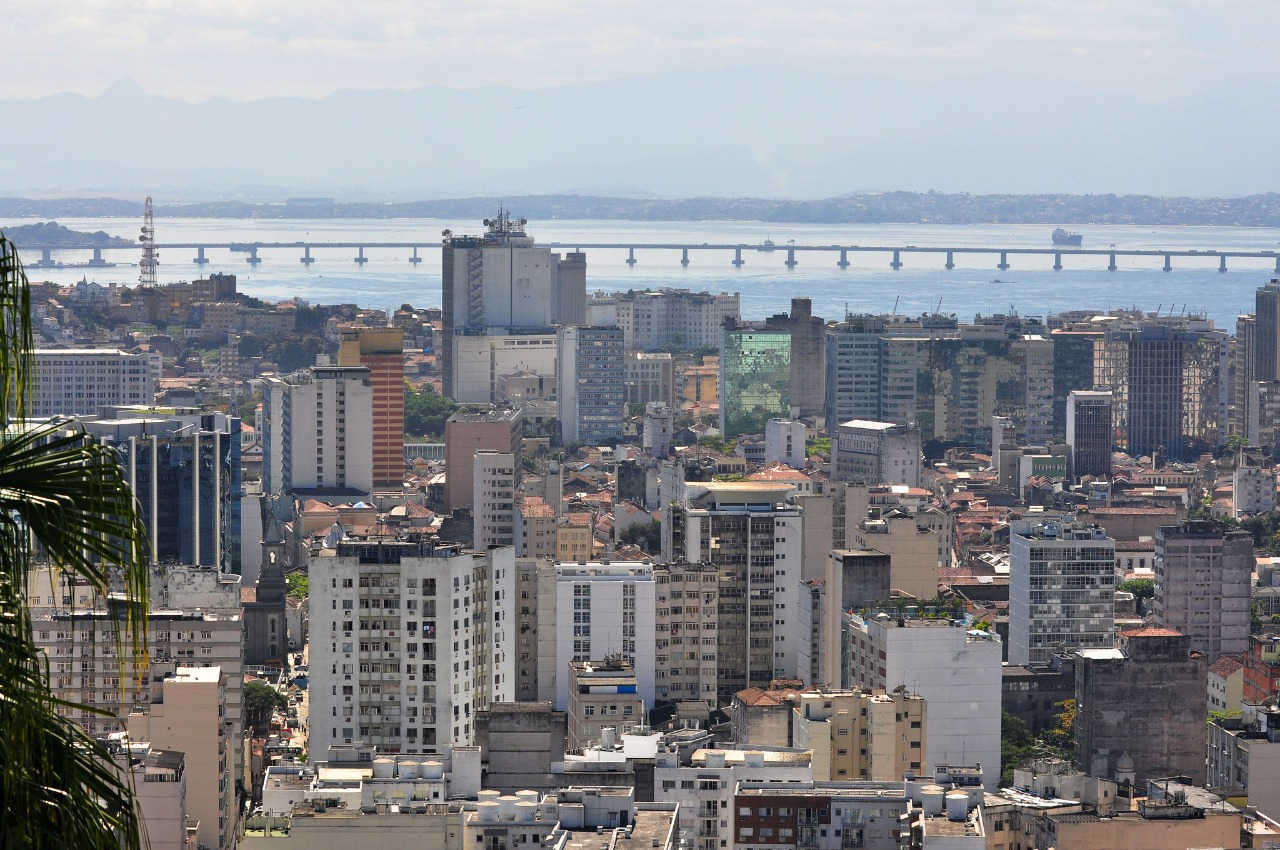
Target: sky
(194,50)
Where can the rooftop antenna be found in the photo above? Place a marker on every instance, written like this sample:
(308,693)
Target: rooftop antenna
(150,257)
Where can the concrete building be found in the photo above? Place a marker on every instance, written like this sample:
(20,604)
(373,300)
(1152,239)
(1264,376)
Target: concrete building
(188,711)
(860,735)
(519,742)
(1253,483)
(159,781)
(649,377)
(1061,589)
(654,319)
(1267,350)
(954,669)
(499,430)
(502,284)
(913,549)
(1244,373)
(1168,385)
(483,358)
(381,351)
(1089,433)
(192,519)
(705,786)
(1244,755)
(784,442)
(574,818)
(589,372)
(658,429)
(1170,815)
(194,619)
(808,353)
(602,695)
(755,379)
(494,478)
(587,611)
(857,578)
(1203,578)
(687,638)
(1153,679)
(866,452)
(755,542)
(78,381)
(1226,685)
(535,522)
(1033,693)
(408,642)
(319,430)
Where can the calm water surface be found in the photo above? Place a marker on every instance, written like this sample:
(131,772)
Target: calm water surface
(1030,287)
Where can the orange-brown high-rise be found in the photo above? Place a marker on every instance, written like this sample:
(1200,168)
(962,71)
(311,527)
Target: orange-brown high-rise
(381,351)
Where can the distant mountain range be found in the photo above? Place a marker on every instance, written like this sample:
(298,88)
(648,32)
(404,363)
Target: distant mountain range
(862,208)
(729,133)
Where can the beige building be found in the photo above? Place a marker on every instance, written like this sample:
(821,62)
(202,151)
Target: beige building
(535,528)
(913,551)
(574,537)
(860,735)
(188,712)
(649,376)
(494,477)
(601,694)
(688,604)
(1156,825)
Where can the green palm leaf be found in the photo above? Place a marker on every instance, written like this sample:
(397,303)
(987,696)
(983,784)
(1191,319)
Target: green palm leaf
(65,496)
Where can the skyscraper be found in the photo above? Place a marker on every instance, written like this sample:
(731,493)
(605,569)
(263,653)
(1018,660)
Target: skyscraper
(1061,588)
(1203,577)
(589,376)
(503,284)
(808,355)
(381,351)
(1267,347)
(1089,433)
(755,379)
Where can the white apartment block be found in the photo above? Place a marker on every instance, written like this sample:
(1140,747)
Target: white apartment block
(479,359)
(653,319)
(705,789)
(755,540)
(194,621)
(319,430)
(1253,489)
(493,507)
(408,642)
(872,453)
(590,611)
(77,381)
(658,429)
(956,671)
(649,377)
(1204,578)
(1062,583)
(187,713)
(784,442)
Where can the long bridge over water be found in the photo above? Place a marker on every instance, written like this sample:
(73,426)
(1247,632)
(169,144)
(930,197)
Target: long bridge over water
(894,254)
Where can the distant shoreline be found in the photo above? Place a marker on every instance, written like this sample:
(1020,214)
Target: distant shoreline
(1262,210)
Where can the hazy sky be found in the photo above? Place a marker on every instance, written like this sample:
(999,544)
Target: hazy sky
(247,49)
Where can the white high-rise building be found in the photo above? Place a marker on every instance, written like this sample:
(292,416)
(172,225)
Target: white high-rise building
(493,507)
(588,612)
(755,540)
(319,430)
(1061,589)
(589,384)
(956,670)
(876,453)
(502,284)
(656,318)
(408,642)
(77,381)
(784,442)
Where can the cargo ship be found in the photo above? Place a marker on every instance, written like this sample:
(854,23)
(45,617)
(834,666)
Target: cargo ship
(1062,237)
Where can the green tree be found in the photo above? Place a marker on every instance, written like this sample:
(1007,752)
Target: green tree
(1143,588)
(1016,745)
(646,535)
(64,492)
(425,411)
(297,585)
(260,699)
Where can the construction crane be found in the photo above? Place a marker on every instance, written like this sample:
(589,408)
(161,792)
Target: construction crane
(150,256)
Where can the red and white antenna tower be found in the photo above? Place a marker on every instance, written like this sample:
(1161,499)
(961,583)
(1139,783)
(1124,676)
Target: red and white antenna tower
(150,256)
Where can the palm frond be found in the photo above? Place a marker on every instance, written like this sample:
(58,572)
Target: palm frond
(16,338)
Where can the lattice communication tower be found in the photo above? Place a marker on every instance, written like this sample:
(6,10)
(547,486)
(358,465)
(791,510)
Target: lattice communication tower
(150,256)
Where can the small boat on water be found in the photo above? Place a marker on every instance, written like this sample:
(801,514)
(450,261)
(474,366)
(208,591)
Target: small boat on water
(766,245)
(1062,237)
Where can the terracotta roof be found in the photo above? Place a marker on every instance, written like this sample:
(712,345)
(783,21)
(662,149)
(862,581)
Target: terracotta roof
(1225,666)
(759,697)
(1151,631)
(535,506)
(778,472)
